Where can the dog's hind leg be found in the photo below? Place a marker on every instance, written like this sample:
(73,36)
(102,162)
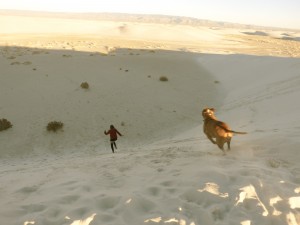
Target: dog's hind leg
(228,143)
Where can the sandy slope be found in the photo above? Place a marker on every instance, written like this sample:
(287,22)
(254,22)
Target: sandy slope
(165,171)
(124,90)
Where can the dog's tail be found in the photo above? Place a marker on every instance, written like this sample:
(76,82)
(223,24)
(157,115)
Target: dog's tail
(236,132)
(232,131)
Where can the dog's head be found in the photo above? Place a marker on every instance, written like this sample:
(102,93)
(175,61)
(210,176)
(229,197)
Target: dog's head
(208,113)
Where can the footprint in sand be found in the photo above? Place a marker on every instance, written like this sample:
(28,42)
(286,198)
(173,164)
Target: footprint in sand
(69,199)
(153,191)
(108,202)
(33,208)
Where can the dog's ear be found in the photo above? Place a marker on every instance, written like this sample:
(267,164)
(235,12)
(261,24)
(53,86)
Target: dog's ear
(212,109)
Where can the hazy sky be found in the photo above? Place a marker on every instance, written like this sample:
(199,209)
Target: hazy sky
(279,13)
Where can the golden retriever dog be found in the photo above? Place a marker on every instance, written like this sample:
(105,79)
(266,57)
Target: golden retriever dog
(219,130)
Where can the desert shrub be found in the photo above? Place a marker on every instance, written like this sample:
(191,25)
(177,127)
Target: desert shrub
(5,124)
(123,28)
(15,63)
(163,78)
(85,85)
(27,63)
(54,126)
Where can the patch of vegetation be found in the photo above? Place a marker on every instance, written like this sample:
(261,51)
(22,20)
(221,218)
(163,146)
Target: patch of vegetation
(27,63)
(15,63)
(85,85)
(163,78)
(5,124)
(54,126)
(274,163)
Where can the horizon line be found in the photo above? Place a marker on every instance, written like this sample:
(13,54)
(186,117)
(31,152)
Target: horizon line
(234,24)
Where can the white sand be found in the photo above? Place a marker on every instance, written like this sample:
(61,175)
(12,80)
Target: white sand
(165,171)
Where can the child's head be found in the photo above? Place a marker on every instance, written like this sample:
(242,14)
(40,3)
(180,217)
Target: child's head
(112,127)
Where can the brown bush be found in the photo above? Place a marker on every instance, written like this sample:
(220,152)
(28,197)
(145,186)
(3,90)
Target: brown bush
(163,78)
(85,85)
(5,124)
(54,126)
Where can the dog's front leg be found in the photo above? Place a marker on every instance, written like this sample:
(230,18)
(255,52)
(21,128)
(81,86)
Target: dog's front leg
(212,140)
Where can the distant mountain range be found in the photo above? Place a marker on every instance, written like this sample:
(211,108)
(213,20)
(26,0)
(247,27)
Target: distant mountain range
(141,18)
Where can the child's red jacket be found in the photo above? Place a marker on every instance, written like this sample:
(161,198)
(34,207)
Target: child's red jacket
(113,134)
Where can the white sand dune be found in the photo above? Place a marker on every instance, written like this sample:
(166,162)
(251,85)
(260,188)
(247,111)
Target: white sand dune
(165,171)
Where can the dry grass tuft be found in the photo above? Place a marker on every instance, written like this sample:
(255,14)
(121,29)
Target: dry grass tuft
(85,85)
(5,124)
(54,126)
(163,78)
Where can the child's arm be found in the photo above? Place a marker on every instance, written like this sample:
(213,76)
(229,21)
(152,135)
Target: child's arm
(119,133)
